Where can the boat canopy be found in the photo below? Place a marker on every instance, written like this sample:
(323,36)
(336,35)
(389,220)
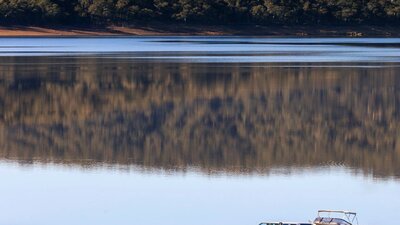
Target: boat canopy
(339,218)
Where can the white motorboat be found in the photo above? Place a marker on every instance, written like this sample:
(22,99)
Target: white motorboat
(326,217)
(336,217)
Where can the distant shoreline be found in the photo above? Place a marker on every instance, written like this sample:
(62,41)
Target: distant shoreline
(200,30)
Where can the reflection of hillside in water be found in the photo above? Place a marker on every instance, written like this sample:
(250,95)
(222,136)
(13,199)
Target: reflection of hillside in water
(224,117)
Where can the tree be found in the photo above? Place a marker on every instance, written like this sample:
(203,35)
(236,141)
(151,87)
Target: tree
(200,11)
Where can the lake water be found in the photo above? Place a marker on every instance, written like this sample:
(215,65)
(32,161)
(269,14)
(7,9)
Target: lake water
(197,130)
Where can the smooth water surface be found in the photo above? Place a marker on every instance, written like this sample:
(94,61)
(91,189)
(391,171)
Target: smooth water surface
(211,50)
(61,195)
(183,130)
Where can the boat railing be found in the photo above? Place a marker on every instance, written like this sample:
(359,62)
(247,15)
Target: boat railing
(349,216)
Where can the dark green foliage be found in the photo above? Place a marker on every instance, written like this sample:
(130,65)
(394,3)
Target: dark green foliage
(200,11)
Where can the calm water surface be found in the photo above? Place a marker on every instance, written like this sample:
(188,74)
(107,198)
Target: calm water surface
(183,130)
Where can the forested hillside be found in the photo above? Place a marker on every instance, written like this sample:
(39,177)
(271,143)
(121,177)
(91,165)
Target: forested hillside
(200,11)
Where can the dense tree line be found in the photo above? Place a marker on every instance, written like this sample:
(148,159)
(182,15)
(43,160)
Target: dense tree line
(199,11)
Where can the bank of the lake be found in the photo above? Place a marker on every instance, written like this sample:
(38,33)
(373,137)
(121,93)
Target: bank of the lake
(174,29)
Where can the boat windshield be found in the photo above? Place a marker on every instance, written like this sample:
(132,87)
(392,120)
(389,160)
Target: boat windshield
(325,217)
(328,220)
(280,223)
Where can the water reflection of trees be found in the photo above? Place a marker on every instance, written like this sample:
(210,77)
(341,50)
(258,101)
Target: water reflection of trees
(229,118)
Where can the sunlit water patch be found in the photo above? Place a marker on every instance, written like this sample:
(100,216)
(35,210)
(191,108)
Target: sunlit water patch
(204,49)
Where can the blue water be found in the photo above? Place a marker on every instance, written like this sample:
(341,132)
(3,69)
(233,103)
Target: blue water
(65,195)
(212,49)
(42,192)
